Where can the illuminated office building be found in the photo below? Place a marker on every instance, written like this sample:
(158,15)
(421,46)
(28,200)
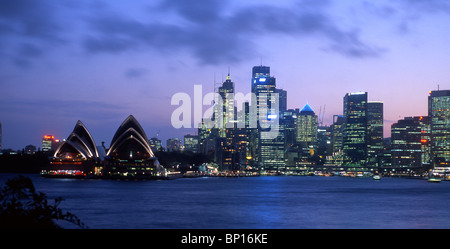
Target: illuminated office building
(410,146)
(47,143)
(374,133)
(271,144)
(191,143)
(337,137)
(307,123)
(155,144)
(226,111)
(355,129)
(173,144)
(439,113)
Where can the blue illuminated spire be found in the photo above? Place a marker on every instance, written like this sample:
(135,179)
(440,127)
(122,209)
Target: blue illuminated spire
(307,109)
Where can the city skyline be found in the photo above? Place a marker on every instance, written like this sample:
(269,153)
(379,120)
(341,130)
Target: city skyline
(120,59)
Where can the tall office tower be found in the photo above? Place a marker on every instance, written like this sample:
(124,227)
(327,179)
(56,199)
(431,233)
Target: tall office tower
(374,133)
(191,143)
(271,133)
(439,112)
(225,111)
(355,129)
(307,122)
(306,137)
(410,145)
(47,143)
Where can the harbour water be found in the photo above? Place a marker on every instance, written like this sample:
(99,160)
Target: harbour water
(264,202)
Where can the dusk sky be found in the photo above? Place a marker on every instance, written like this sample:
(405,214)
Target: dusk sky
(99,61)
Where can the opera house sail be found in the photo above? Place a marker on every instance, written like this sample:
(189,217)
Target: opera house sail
(76,156)
(129,155)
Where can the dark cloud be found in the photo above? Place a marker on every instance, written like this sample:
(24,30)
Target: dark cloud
(199,11)
(34,25)
(215,37)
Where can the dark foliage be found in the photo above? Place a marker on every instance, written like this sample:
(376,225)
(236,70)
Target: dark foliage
(21,207)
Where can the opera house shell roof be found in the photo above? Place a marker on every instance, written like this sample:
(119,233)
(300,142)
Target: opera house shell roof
(130,142)
(79,145)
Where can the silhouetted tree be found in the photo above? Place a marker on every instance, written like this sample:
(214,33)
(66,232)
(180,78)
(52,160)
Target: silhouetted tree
(21,207)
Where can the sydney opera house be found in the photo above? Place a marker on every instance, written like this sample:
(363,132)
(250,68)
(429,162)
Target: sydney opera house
(129,155)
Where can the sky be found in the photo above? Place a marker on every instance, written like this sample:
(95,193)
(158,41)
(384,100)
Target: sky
(99,61)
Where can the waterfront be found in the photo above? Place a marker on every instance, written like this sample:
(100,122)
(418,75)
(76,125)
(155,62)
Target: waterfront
(264,202)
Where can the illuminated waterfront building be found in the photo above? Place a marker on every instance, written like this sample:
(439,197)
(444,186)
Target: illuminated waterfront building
(155,144)
(439,113)
(374,133)
(47,143)
(191,143)
(355,130)
(173,144)
(271,140)
(306,135)
(307,123)
(410,146)
(130,154)
(337,137)
(76,156)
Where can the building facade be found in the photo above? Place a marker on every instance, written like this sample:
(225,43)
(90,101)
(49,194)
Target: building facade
(271,144)
(439,113)
(355,130)
(374,133)
(410,146)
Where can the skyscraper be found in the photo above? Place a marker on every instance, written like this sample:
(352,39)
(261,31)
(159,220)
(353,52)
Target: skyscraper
(374,133)
(307,122)
(271,153)
(355,129)
(439,112)
(225,111)
(410,145)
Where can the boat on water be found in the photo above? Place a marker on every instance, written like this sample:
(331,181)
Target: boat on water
(376,177)
(434,179)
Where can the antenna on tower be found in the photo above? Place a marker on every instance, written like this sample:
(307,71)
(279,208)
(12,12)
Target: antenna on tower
(323,115)
(320,114)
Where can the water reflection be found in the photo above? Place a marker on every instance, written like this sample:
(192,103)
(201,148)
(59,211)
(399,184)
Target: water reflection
(253,202)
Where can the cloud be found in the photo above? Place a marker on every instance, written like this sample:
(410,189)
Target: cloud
(214,36)
(29,27)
